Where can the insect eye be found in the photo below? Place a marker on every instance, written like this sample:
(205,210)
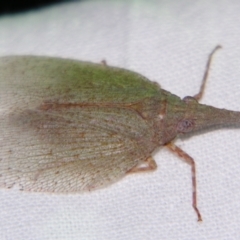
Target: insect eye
(185,125)
(189,99)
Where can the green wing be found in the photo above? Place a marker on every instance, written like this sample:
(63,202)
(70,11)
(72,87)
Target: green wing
(76,80)
(69,126)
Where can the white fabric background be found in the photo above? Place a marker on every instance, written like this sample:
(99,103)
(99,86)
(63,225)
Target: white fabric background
(167,41)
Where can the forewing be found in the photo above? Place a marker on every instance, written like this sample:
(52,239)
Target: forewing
(68,126)
(68,152)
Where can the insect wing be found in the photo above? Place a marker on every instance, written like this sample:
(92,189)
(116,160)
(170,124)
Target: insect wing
(48,145)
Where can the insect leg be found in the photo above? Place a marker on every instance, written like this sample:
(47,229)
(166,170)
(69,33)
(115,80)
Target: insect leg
(150,165)
(186,158)
(199,95)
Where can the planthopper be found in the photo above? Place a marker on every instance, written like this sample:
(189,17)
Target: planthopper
(69,126)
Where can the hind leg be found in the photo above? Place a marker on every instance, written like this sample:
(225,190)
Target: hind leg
(148,165)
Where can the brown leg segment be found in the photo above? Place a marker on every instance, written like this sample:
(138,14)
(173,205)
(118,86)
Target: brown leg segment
(186,158)
(150,165)
(199,95)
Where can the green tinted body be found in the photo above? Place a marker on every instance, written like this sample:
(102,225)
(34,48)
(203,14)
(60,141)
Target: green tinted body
(71,126)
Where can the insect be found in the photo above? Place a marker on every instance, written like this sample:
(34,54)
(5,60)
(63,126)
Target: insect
(70,126)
